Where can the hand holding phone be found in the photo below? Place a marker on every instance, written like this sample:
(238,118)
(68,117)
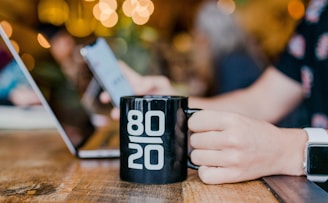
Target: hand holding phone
(104,65)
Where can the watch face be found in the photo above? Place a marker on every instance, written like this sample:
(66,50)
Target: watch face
(317,160)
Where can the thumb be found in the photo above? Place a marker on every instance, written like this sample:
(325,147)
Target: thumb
(115,114)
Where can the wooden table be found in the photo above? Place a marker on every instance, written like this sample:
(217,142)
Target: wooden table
(35,166)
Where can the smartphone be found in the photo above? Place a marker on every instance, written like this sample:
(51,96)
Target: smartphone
(104,65)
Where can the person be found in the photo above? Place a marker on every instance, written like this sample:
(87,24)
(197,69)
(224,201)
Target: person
(234,138)
(66,52)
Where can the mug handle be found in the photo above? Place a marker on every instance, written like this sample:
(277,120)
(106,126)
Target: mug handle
(189,113)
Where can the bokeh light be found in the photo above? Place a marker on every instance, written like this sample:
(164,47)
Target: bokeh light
(111,20)
(182,42)
(128,7)
(43,41)
(296,9)
(6,26)
(139,10)
(105,12)
(101,30)
(80,27)
(94,16)
(139,19)
(108,4)
(227,6)
(15,45)
(55,12)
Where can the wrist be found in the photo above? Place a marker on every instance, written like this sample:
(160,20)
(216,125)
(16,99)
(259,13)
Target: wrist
(294,145)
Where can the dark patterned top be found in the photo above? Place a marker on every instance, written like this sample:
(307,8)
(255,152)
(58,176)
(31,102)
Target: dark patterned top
(306,61)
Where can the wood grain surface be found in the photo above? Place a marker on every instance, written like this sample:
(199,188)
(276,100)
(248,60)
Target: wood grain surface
(35,166)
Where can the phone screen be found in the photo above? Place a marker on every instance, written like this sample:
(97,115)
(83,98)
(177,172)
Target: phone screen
(104,65)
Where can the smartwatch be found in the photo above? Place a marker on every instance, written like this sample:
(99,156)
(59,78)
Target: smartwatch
(316,155)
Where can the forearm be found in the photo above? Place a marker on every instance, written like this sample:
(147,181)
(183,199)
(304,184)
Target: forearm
(270,98)
(240,101)
(292,144)
(227,102)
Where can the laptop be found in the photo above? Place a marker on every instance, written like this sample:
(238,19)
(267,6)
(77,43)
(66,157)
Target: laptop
(76,124)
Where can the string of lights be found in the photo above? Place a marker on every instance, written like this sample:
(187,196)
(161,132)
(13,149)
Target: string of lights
(82,18)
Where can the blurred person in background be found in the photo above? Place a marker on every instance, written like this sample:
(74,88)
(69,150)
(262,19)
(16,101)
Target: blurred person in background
(66,52)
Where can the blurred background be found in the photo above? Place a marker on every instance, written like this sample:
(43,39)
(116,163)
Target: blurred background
(158,36)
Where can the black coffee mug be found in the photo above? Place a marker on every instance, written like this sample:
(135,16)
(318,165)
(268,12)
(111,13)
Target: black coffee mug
(154,139)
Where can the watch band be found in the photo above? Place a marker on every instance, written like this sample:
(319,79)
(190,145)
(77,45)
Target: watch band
(315,136)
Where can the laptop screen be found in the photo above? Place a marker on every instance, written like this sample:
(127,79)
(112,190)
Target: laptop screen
(59,93)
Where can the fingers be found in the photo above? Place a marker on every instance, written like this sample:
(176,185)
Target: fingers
(213,140)
(206,120)
(130,74)
(136,81)
(220,175)
(24,96)
(104,97)
(214,158)
(220,166)
(217,146)
(153,85)
(143,85)
(115,114)
(214,130)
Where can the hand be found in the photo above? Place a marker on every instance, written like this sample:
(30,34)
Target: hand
(24,96)
(232,148)
(142,85)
